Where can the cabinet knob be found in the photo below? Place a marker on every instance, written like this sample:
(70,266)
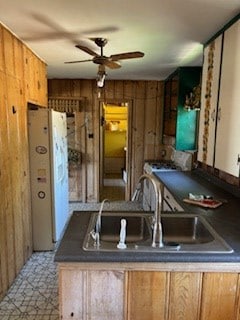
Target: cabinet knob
(213,115)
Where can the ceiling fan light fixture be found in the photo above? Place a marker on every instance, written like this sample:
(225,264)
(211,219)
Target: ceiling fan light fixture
(100,78)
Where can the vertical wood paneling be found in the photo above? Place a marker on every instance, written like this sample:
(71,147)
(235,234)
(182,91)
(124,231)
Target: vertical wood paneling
(185,294)
(18,59)
(95,295)
(147,295)
(2,64)
(118,91)
(128,94)
(150,123)
(219,294)
(238,299)
(76,88)
(11,186)
(15,105)
(96,140)
(16,84)
(71,294)
(35,78)
(8,52)
(105,295)
(138,132)
(145,120)
(159,120)
(109,90)
(5,197)
(87,90)
(81,122)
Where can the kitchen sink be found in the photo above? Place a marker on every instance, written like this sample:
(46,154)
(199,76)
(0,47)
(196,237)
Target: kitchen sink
(138,228)
(181,233)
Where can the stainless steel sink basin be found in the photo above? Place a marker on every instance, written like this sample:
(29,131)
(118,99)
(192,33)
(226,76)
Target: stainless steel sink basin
(181,233)
(186,230)
(138,228)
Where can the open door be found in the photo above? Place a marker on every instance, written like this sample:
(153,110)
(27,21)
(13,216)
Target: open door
(114,166)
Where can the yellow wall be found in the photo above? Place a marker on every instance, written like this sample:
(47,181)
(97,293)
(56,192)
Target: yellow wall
(115,130)
(115,117)
(115,141)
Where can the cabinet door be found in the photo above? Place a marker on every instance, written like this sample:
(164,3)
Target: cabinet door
(147,295)
(228,126)
(95,295)
(163,296)
(209,101)
(219,296)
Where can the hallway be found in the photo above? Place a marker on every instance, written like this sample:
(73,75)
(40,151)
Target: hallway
(113,188)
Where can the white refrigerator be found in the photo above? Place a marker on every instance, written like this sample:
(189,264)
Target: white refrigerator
(47,131)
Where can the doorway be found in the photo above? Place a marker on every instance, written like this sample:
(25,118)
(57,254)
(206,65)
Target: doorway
(114,150)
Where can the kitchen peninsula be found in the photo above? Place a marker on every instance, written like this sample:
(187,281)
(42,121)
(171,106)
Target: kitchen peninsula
(146,285)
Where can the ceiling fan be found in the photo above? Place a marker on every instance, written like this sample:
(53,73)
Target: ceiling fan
(100,59)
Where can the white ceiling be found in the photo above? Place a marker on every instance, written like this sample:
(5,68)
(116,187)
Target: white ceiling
(169,32)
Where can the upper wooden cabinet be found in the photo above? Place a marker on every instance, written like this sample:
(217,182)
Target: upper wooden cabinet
(35,75)
(209,101)
(179,122)
(220,113)
(228,125)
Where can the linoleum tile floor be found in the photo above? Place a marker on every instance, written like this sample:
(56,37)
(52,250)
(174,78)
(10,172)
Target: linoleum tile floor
(34,293)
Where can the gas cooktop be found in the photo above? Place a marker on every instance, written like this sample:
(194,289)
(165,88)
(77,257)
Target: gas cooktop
(164,166)
(150,167)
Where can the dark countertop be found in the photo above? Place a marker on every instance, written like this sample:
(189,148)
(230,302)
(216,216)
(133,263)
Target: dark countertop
(225,220)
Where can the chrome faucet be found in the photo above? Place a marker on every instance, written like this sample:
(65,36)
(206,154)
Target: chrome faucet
(98,223)
(157,237)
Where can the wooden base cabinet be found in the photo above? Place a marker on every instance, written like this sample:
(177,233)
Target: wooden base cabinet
(126,294)
(182,295)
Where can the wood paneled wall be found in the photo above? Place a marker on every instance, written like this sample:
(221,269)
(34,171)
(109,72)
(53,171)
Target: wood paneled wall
(22,80)
(145,99)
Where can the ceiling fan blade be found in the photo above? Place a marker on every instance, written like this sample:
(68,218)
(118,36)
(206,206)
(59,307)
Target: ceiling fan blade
(78,61)
(45,20)
(127,55)
(56,31)
(87,50)
(112,64)
(43,37)
(100,30)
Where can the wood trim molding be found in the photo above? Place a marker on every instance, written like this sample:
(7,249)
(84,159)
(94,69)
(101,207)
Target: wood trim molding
(151,266)
(67,104)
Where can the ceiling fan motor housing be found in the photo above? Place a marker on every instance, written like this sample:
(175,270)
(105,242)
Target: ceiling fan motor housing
(101,42)
(100,59)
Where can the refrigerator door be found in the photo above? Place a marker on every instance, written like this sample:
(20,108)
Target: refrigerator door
(59,164)
(48,175)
